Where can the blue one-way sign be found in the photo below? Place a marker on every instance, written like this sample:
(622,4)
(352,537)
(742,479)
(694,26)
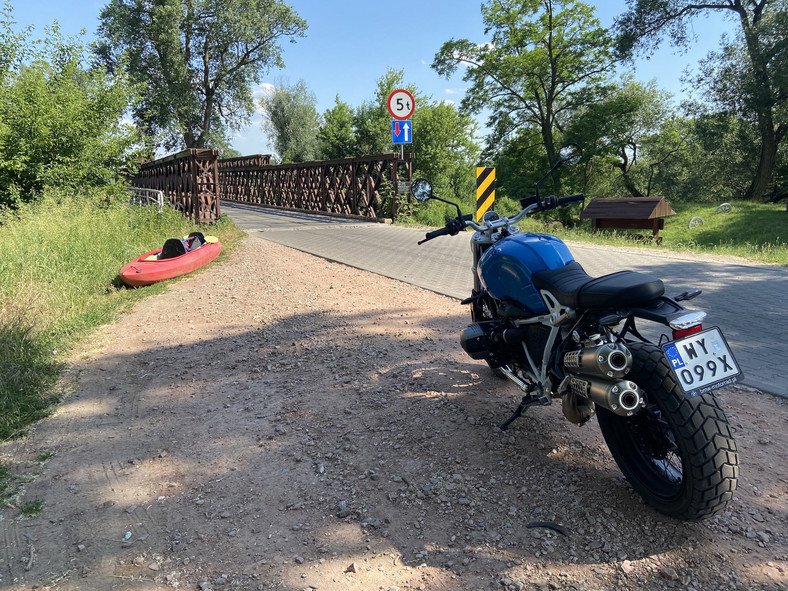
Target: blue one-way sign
(401,132)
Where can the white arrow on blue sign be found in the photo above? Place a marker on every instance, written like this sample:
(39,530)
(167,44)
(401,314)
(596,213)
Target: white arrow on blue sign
(401,132)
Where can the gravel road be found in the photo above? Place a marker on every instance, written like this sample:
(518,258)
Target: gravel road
(278,421)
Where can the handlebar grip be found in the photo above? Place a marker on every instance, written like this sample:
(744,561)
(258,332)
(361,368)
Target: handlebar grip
(572,199)
(436,233)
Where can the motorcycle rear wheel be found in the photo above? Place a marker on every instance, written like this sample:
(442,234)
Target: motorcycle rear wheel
(678,454)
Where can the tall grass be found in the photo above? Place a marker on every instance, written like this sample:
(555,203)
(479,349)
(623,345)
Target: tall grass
(59,265)
(29,372)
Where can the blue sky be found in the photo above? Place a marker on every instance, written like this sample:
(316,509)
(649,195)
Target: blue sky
(351,43)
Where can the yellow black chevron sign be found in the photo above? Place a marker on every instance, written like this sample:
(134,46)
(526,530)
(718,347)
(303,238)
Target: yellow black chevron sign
(485,191)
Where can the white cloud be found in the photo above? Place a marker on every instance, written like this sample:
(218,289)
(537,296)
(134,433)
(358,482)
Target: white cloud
(451,91)
(264,89)
(260,91)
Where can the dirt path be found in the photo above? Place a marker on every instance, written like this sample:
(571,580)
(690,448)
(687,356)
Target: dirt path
(282,422)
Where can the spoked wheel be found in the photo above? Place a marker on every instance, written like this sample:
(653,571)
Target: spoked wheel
(678,454)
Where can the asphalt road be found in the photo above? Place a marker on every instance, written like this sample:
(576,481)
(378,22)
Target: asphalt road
(748,302)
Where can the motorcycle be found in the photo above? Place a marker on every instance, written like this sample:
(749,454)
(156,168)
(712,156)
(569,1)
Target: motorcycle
(540,321)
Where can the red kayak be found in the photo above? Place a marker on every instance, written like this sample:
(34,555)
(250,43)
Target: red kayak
(175,258)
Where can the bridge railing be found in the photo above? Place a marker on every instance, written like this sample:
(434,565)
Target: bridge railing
(194,180)
(365,186)
(189,181)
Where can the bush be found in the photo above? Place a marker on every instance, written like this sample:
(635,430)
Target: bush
(60,122)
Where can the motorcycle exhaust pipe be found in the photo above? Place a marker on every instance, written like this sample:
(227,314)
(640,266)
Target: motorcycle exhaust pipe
(608,360)
(621,397)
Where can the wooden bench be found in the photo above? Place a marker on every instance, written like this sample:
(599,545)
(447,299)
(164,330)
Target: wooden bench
(638,213)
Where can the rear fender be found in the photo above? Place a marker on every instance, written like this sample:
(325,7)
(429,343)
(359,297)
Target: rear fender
(662,310)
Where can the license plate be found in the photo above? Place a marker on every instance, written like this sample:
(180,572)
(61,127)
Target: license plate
(702,362)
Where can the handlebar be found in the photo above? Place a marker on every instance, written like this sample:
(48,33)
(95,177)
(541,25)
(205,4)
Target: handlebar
(572,199)
(530,205)
(435,233)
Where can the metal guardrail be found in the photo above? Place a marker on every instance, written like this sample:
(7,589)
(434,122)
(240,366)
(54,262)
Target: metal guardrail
(140,196)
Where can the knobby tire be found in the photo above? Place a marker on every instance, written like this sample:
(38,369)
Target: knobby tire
(678,454)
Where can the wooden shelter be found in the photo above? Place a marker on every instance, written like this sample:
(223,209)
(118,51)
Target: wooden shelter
(641,213)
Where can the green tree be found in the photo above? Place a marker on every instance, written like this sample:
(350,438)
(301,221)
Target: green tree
(372,121)
(336,136)
(445,149)
(747,77)
(292,122)
(14,45)
(198,58)
(60,121)
(613,131)
(546,59)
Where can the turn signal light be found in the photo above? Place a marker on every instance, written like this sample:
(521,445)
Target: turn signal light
(684,332)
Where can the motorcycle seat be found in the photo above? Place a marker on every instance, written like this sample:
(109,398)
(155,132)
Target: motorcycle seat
(575,288)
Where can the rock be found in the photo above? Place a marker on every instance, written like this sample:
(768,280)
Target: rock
(627,567)
(154,566)
(344,510)
(352,568)
(669,573)
(299,560)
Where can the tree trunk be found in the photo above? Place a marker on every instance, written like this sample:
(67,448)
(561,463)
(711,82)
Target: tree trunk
(763,174)
(764,108)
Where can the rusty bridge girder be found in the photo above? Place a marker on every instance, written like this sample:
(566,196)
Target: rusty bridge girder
(194,180)
(364,186)
(189,181)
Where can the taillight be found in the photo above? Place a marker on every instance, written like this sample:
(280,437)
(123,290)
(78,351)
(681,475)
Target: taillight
(684,332)
(687,324)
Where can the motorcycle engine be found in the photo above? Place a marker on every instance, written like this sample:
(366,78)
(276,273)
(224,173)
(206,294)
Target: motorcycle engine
(500,344)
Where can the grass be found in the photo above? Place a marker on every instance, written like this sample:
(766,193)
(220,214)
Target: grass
(59,281)
(32,508)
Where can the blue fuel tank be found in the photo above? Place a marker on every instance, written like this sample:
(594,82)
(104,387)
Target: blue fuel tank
(506,268)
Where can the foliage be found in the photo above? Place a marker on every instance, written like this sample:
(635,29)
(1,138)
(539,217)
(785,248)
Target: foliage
(60,121)
(614,131)
(545,60)
(746,78)
(372,121)
(197,59)
(336,135)
(293,122)
(445,150)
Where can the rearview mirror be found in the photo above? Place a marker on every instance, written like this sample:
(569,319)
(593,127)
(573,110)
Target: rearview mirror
(421,190)
(570,154)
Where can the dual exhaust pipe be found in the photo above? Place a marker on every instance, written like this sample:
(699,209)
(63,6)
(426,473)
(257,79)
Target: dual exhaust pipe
(597,373)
